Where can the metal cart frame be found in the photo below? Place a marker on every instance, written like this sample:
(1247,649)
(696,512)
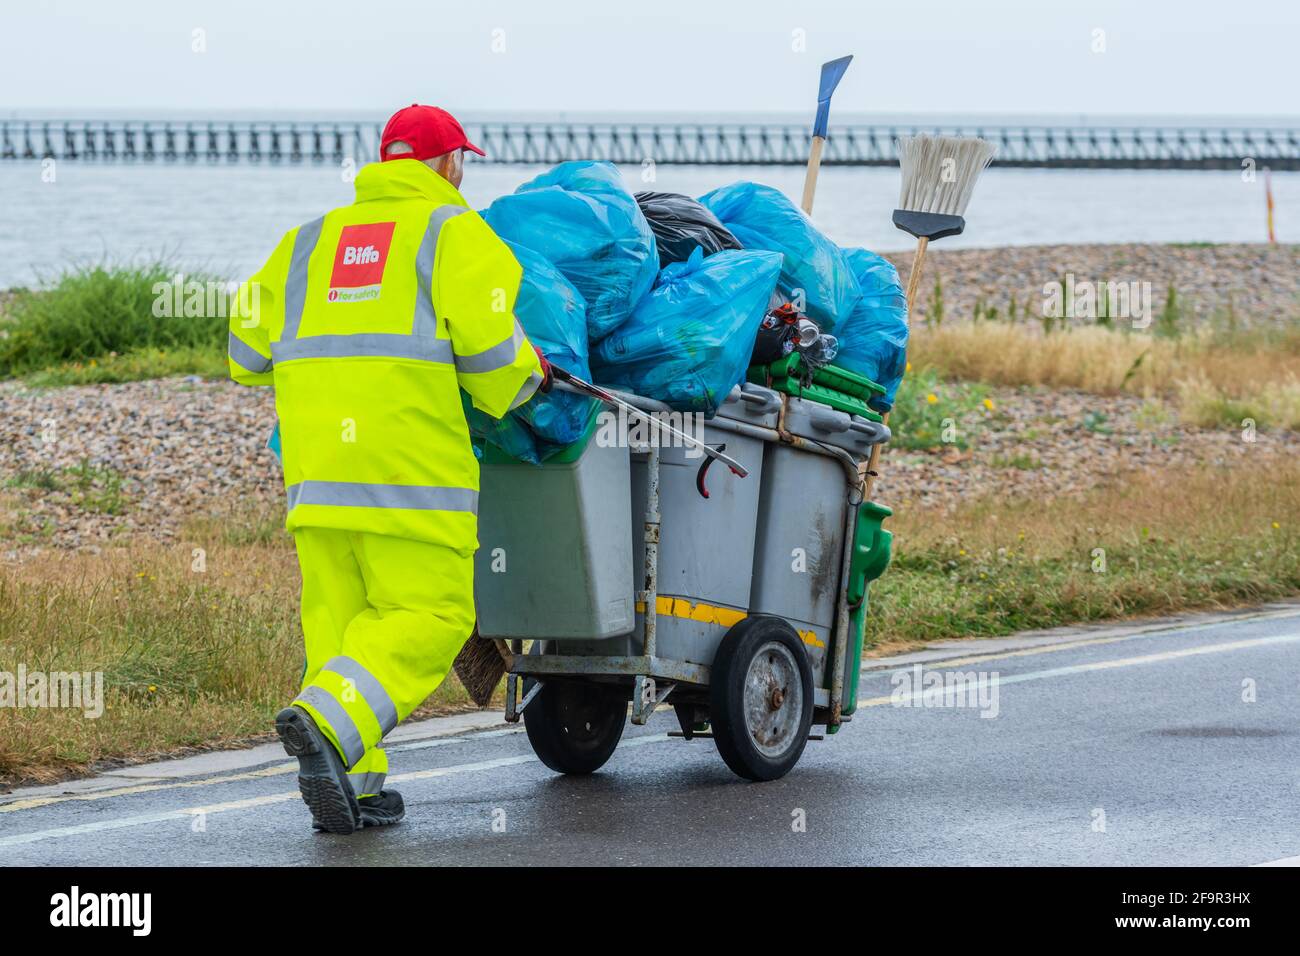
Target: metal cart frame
(655,678)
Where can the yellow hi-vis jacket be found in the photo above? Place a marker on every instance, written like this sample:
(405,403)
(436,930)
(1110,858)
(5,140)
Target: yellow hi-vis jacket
(368,321)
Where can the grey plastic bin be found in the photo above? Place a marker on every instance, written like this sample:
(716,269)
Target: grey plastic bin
(555,547)
(799,545)
(706,546)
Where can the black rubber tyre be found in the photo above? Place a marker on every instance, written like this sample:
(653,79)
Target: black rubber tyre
(761,698)
(574,726)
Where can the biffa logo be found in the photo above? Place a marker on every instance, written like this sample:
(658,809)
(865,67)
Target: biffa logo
(359,262)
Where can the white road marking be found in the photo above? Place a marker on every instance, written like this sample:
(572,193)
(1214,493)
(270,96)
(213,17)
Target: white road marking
(1100,665)
(279,768)
(33,802)
(977,657)
(143,819)
(459,739)
(138,820)
(1285,861)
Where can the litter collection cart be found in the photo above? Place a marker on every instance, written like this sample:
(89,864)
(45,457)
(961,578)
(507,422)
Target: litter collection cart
(618,570)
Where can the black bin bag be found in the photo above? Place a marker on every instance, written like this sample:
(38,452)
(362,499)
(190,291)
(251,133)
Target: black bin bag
(681,224)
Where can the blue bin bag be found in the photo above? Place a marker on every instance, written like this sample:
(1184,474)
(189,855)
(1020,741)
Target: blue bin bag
(273,442)
(688,343)
(873,340)
(763,218)
(553,315)
(509,434)
(582,218)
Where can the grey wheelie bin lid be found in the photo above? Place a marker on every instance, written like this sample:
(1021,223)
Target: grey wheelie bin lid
(856,434)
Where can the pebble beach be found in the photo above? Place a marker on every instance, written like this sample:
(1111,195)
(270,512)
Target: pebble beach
(184,448)
(1251,285)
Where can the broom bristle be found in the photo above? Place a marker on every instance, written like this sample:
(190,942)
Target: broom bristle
(480,667)
(939,172)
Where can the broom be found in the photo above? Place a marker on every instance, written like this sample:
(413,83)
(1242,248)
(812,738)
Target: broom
(939,175)
(480,665)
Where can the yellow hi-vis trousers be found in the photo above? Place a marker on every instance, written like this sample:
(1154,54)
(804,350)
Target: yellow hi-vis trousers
(383,618)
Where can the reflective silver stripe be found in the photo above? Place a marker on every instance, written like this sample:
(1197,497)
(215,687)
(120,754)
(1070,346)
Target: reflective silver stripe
(344,727)
(295,286)
(368,686)
(367,784)
(420,348)
(502,355)
(530,388)
(356,494)
(246,357)
(426,320)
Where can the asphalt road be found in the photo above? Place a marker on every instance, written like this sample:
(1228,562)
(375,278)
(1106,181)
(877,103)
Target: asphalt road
(1110,748)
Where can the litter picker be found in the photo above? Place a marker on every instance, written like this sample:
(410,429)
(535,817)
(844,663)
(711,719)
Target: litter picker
(832,73)
(938,179)
(711,453)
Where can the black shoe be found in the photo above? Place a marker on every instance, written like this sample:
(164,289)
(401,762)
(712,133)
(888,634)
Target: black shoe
(322,778)
(382,809)
(379,810)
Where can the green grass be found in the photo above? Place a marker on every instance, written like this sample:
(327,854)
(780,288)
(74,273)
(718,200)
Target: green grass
(43,478)
(90,487)
(204,658)
(1174,541)
(185,662)
(931,413)
(1154,414)
(1273,404)
(195,653)
(96,488)
(256,523)
(134,366)
(98,324)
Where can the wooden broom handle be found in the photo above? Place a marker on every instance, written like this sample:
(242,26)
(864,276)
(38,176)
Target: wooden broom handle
(810,179)
(914,277)
(913,283)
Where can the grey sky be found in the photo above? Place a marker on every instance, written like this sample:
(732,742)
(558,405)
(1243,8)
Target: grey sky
(356,56)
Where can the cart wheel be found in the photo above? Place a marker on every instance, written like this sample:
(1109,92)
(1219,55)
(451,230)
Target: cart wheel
(761,698)
(574,726)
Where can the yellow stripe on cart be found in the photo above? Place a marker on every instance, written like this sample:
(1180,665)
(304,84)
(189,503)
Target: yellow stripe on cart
(711,614)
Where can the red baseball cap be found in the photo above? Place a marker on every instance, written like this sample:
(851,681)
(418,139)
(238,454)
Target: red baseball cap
(428,130)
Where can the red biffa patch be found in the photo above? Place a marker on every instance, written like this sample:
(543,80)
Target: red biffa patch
(359,262)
